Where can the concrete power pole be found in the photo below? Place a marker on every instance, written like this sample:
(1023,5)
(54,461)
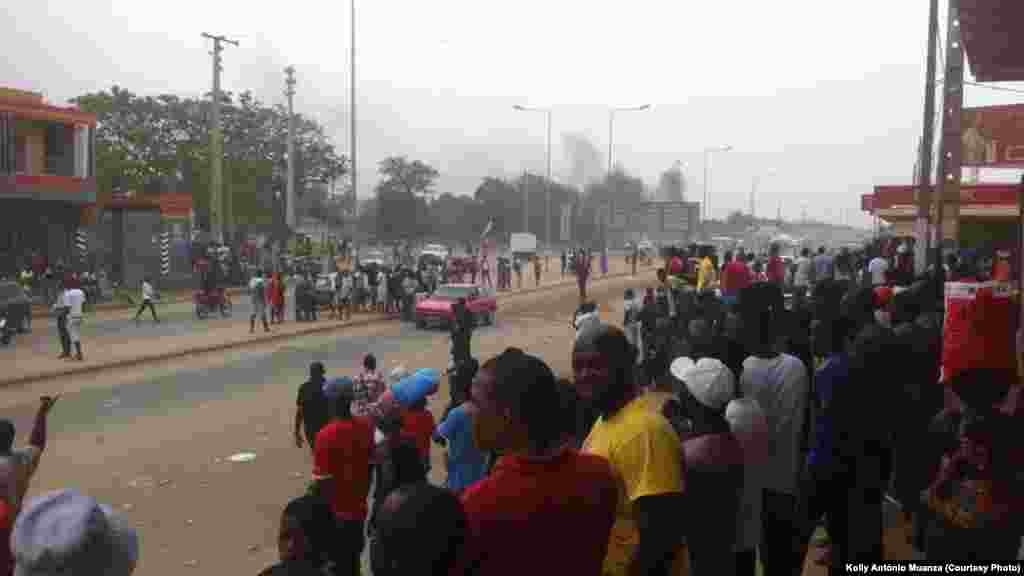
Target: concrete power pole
(353,165)
(217,220)
(924,201)
(290,194)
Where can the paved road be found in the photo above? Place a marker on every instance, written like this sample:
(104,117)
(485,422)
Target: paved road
(175,319)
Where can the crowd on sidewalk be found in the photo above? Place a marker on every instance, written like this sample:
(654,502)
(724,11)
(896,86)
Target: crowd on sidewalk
(705,436)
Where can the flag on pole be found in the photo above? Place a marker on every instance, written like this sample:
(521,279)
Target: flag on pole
(488,228)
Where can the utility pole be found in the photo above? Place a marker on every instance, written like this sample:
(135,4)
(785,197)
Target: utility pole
(290,196)
(949,165)
(547,192)
(526,202)
(217,221)
(753,192)
(925,193)
(353,165)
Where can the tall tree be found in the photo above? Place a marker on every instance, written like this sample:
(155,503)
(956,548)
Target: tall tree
(141,139)
(401,197)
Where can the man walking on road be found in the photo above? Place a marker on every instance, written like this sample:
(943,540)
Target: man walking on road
(582,274)
(74,299)
(311,414)
(60,307)
(148,296)
(259,302)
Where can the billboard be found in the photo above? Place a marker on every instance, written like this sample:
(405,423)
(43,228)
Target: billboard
(993,136)
(662,221)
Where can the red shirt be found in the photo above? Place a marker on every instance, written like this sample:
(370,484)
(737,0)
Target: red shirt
(419,426)
(558,512)
(676,266)
(735,277)
(6,527)
(343,452)
(776,270)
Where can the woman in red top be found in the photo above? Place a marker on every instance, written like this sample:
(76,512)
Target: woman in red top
(776,272)
(275,295)
(418,426)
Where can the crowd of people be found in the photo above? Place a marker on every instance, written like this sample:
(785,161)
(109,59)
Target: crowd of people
(722,425)
(719,427)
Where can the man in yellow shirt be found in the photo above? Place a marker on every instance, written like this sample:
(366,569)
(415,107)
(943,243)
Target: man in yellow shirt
(706,277)
(645,454)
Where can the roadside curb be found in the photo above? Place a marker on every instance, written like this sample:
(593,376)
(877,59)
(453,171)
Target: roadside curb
(331,325)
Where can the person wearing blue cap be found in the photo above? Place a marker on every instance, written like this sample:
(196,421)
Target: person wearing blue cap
(67,533)
(342,455)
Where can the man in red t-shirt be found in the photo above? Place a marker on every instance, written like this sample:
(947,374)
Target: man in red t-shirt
(735,277)
(776,267)
(342,455)
(542,502)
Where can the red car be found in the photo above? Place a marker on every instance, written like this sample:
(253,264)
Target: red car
(437,308)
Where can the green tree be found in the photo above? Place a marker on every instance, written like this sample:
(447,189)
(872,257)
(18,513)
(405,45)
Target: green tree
(401,198)
(141,140)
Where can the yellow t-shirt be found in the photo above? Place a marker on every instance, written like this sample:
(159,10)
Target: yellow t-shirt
(646,454)
(654,400)
(706,275)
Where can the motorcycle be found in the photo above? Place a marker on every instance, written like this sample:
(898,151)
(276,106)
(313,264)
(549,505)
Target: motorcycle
(7,331)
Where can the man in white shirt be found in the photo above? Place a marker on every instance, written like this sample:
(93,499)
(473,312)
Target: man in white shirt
(345,296)
(148,296)
(878,268)
(74,298)
(779,383)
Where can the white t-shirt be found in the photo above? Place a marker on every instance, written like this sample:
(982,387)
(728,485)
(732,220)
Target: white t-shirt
(878,267)
(147,292)
(74,298)
(779,385)
(804,271)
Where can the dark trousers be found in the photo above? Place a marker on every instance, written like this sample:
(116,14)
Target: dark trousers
(746,563)
(142,308)
(823,496)
(856,532)
(65,337)
(780,530)
(347,550)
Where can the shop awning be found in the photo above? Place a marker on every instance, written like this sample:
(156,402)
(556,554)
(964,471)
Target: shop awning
(993,40)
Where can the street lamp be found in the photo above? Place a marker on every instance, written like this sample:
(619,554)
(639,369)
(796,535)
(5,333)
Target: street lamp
(611,125)
(753,190)
(547,182)
(707,154)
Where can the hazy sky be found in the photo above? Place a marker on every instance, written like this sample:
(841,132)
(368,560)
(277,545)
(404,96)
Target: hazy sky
(826,94)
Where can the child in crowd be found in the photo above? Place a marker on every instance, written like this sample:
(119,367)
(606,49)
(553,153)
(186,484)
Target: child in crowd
(418,426)
(303,537)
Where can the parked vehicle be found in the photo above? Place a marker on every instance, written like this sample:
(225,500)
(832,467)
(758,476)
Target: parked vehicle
(15,310)
(523,244)
(438,308)
(324,288)
(210,301)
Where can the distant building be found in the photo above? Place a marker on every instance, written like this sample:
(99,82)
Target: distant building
(47,177)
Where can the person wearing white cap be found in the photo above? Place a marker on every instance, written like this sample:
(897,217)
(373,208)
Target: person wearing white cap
(65,533)
(714,464)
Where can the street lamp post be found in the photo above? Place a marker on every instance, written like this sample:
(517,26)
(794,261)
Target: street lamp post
(547,182)
(707,155)
(611,126)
